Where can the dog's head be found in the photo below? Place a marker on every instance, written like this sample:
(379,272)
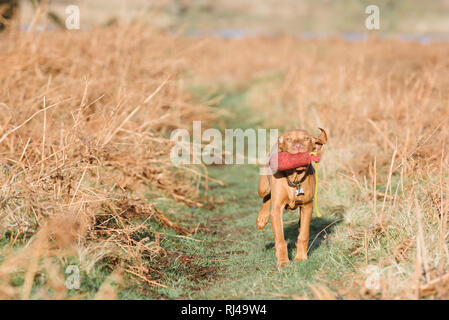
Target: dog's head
(295,141)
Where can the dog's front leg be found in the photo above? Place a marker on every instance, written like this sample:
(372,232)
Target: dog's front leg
(304,229)
(278,230)
(264,213)
(265,193)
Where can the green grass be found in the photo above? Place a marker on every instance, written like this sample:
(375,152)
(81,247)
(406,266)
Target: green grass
(250,272)
(232,260)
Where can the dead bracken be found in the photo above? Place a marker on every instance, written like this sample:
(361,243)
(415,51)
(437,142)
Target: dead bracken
(80,142)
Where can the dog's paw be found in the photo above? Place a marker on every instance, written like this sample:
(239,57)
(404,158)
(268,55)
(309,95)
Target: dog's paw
(262,222)
(282,263)
(300,257)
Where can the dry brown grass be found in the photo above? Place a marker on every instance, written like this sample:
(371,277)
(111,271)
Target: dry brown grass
(83,118)
(83,124)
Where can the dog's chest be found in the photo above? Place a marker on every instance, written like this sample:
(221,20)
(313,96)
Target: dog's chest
(301,194)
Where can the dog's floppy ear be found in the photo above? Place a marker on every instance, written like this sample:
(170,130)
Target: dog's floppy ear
(322,139)
(281,144)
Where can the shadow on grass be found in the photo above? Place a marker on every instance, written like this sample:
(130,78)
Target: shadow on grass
(320,228)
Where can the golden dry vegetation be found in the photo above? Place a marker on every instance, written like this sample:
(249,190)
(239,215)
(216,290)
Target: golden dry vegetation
(84,121)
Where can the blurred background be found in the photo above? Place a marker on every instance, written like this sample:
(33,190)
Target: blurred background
(234,18)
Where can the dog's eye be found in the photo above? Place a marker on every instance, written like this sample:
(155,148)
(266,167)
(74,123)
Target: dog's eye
(289,139)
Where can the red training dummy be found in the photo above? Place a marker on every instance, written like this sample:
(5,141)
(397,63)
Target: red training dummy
(283,160)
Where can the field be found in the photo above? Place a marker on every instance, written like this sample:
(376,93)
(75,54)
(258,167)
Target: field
(86,180)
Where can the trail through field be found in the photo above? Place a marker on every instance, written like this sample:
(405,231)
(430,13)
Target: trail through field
(228,258)
(249,262)
(236,260)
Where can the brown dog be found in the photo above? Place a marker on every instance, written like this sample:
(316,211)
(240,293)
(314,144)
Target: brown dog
(290,189)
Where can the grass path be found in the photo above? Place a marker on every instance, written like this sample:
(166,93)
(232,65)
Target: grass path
(249,268)
(230,258)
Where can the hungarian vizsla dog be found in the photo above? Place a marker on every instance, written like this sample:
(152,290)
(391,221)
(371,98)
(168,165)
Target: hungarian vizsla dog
(290,189)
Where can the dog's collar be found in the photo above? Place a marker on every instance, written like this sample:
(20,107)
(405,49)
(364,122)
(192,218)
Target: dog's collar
(297,184)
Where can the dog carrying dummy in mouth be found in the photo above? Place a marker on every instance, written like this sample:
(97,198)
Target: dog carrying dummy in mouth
(283,161)
(291,183)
